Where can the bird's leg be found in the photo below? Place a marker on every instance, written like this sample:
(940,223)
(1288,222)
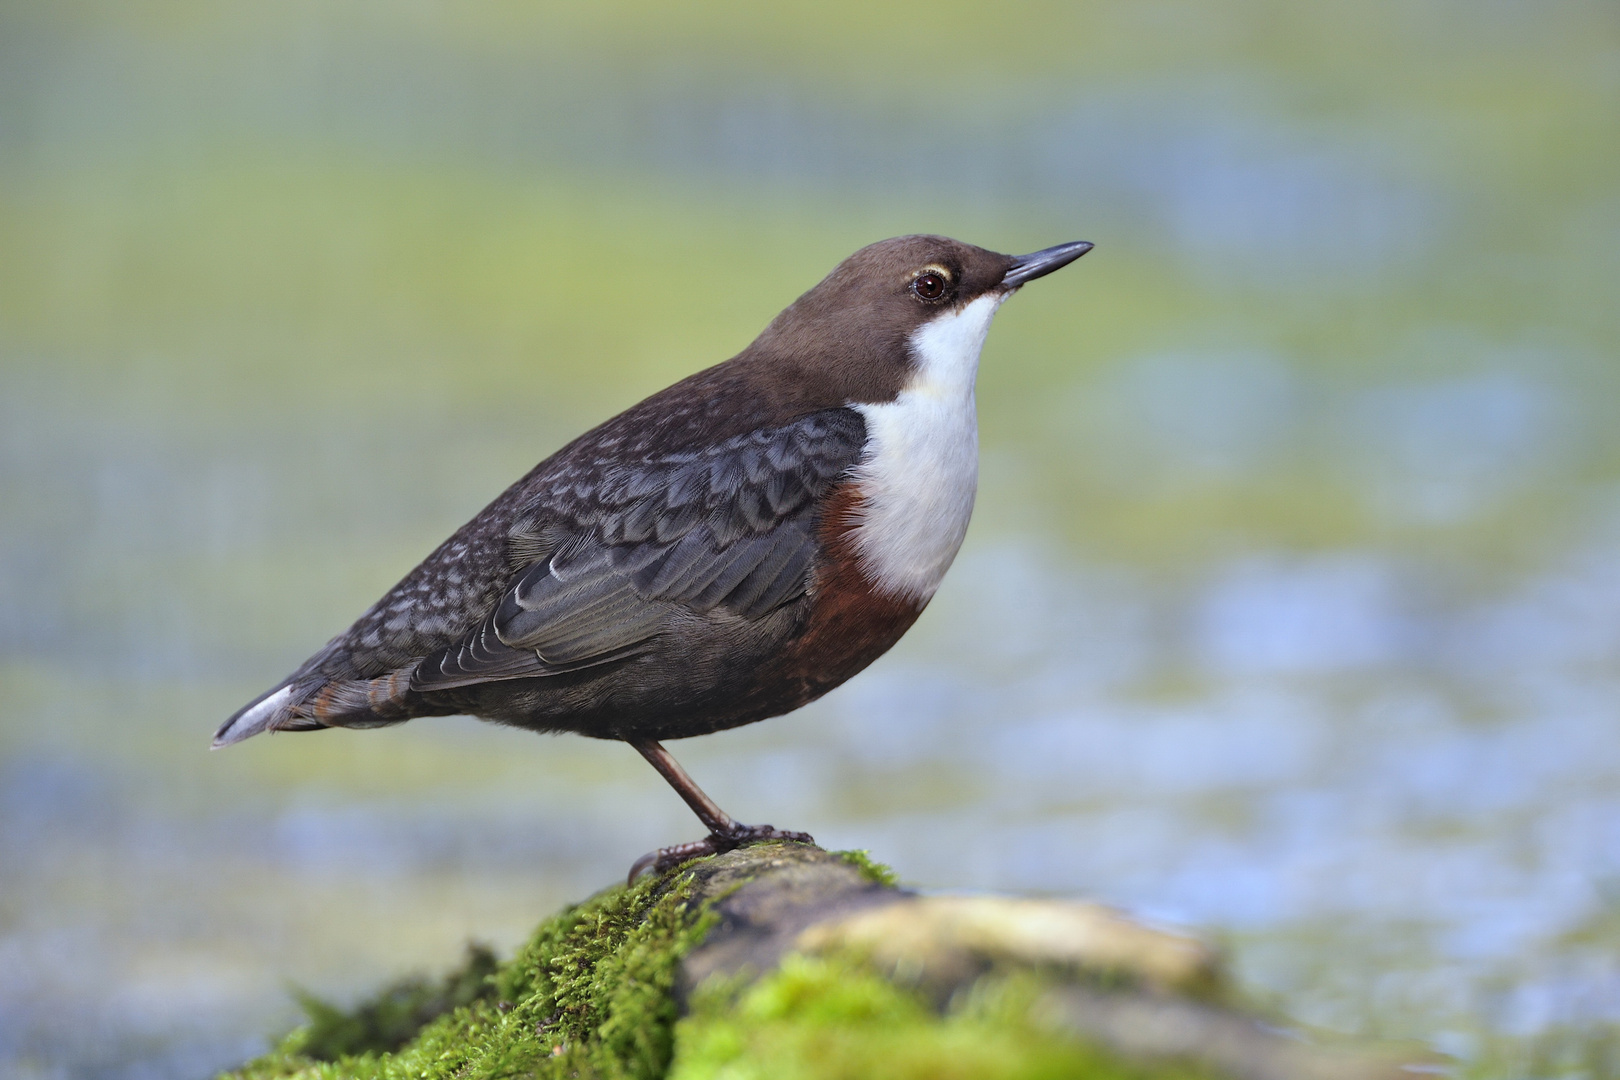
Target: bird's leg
(707,810)
(725,831)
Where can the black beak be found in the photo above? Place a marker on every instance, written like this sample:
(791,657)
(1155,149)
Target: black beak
(1029,267)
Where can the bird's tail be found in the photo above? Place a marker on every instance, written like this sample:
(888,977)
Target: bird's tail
(311,704)
(270,711)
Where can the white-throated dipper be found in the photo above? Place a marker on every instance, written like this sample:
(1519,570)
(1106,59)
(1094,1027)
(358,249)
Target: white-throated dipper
(728,550)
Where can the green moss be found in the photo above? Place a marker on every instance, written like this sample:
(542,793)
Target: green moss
(389,1020)
(590,995)
(832,1018)
(874,872)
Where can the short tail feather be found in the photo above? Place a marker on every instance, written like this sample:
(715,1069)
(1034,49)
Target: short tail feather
(309,706)
(272,711)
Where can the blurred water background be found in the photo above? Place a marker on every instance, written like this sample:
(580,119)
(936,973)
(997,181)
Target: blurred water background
(1290,612)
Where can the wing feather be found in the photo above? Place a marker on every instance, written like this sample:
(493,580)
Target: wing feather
(729,527)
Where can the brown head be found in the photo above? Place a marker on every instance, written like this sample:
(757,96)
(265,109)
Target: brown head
(854,334)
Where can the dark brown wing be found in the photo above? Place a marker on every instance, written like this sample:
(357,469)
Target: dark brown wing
(728,527)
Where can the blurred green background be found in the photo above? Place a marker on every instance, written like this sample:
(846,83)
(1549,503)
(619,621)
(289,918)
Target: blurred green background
(1291,608)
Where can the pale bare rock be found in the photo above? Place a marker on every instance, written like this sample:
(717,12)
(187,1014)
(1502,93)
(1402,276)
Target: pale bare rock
(969,933)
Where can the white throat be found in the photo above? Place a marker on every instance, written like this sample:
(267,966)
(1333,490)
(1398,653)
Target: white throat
(920,469)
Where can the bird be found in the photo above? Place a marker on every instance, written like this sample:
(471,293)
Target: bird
(727,550)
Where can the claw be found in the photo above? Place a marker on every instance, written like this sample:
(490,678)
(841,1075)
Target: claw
(667,858)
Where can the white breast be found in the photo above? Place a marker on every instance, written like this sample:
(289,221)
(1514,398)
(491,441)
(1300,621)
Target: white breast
(920,468)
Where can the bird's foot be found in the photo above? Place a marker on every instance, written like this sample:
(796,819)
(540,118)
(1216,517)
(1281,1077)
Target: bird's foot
(715,843)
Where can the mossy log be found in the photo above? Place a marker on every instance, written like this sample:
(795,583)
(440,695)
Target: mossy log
(784,960)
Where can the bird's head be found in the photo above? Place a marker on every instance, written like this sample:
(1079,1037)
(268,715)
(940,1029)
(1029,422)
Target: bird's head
(902,309)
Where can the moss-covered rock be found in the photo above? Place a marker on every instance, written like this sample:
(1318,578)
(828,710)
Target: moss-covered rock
(592,994)
(784,961)
(818,1017)
(392,1018)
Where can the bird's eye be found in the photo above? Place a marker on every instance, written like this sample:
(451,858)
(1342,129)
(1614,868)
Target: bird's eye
(929,285)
